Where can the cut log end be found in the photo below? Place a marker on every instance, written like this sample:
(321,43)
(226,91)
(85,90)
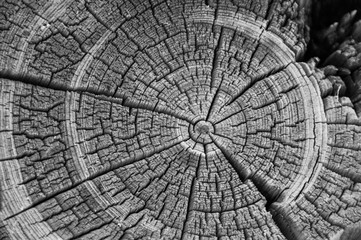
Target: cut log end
(173,120)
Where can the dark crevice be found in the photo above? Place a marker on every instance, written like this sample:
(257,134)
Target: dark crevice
(323,14)
(255,80)
(335,39)
(31,79)
(215,63)
(99,173)
(191,199)
(285,223)
(101,94)
(272,194)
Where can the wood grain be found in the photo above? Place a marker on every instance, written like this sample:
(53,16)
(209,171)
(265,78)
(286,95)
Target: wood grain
(171,120)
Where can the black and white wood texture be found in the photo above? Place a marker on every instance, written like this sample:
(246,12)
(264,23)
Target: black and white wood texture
(147,119)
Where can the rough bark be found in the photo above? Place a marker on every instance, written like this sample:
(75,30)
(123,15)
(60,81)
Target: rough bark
(172,120)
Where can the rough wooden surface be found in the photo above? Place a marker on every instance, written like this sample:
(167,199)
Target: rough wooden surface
(171,120)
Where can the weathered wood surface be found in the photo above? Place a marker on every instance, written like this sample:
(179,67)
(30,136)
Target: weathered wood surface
(171,120)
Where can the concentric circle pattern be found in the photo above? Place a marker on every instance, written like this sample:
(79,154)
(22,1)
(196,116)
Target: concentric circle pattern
(164,120)
(201,132)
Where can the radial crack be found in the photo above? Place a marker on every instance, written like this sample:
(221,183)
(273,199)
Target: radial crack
(191,198)
(115,98)
(256,80)
(102,172)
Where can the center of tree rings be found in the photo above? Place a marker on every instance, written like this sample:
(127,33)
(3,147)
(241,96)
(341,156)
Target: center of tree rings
(200,132)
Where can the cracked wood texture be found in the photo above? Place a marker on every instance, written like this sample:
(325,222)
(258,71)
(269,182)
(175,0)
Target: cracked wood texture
(170,120)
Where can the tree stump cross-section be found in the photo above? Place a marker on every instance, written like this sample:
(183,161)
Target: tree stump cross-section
(170,120)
